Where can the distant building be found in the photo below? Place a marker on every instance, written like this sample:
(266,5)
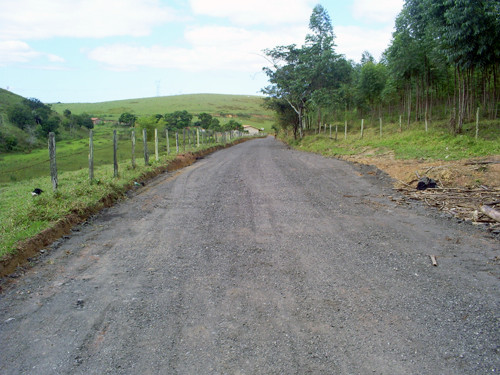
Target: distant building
(251,129)
(96,120)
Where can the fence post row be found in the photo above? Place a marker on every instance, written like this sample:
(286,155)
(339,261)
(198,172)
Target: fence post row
(168,143)
(115,154)
(91,155)
(206,137)
(133,149)
(145,141)
(52,156)
(156,145)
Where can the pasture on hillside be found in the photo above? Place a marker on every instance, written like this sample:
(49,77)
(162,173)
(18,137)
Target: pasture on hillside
(245,109)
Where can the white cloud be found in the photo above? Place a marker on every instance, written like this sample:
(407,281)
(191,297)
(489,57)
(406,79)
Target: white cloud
(35,19)
(12,52)
(256,11)
(210,48)
(378,11)
(352,41)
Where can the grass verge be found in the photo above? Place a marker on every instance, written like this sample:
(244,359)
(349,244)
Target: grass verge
(414,143)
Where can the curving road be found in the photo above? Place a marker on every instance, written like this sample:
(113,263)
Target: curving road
(259,259)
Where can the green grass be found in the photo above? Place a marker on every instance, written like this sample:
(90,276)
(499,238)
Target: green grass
(73,154)
(23,216)
(414,143)
(246,109)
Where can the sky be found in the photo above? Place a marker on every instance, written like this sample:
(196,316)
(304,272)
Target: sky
(99,50)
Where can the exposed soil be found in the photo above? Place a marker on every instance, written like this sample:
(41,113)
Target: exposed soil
(464,185)
(467,173)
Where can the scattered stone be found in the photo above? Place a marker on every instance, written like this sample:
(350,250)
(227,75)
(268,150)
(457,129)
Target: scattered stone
(80,303)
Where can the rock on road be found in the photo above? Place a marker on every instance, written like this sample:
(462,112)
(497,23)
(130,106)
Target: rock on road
(259,259)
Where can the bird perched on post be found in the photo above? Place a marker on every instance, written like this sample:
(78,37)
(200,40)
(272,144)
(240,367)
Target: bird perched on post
(36,192)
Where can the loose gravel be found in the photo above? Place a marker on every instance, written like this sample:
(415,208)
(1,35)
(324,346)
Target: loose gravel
(259,259)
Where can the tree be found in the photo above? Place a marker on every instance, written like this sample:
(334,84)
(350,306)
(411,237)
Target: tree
(20,115)
(50,125)
(84,120)
(215,125)
(149,123)
(232,125)
(67,113)
(296,73)
(127,119)
(372,83)
(178,119)
(204,120)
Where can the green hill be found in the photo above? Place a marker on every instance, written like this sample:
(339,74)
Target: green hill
(7,99)
(246,109)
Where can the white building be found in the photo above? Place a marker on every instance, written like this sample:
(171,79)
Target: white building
(251,129)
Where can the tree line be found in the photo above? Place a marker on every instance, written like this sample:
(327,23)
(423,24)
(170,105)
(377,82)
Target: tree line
(442,63)
(36,120)
(178,120)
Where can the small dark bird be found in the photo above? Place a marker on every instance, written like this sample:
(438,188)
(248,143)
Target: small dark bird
(36,192)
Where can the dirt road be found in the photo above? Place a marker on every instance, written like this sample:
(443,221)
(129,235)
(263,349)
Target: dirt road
(259,260)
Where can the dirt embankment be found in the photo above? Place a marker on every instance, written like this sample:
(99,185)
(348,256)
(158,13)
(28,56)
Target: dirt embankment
(463,185)
(30,247)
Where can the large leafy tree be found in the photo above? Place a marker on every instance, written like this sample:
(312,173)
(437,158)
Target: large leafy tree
(127,119)
(178,119)
(296,73)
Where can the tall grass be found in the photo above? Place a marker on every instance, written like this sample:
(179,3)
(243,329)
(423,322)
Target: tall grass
(414,143)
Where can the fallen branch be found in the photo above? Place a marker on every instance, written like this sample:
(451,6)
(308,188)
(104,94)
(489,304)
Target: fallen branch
(488,211)
(434,261)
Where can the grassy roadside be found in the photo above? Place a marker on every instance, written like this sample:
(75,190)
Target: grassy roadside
(414,143)
(23,216)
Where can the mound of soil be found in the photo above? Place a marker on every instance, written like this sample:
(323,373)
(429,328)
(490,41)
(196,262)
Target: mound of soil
(463,185)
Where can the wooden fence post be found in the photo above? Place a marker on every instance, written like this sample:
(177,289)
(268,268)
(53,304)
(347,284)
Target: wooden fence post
(156,145)
(168,143)
(145,142)
(184,139)
(362,120)
(177,142)
(400,124)
(380,121)
(330,131)
(115,154)
(345,129)
(189,138)
(91,155)
(336,131)
(477,122)
(53,164)
(133,149)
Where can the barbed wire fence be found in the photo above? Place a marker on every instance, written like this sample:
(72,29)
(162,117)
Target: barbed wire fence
(191,140)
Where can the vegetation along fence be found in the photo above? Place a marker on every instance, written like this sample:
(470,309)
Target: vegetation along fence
(106,148)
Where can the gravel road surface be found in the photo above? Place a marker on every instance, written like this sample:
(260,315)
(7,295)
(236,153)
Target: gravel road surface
(259,259)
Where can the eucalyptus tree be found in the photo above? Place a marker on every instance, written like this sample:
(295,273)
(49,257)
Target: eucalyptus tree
(469,34)
(433,35)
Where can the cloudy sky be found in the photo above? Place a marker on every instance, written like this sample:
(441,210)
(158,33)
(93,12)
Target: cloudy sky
(99,50)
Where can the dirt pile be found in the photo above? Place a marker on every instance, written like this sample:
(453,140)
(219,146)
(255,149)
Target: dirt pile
(464,186)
